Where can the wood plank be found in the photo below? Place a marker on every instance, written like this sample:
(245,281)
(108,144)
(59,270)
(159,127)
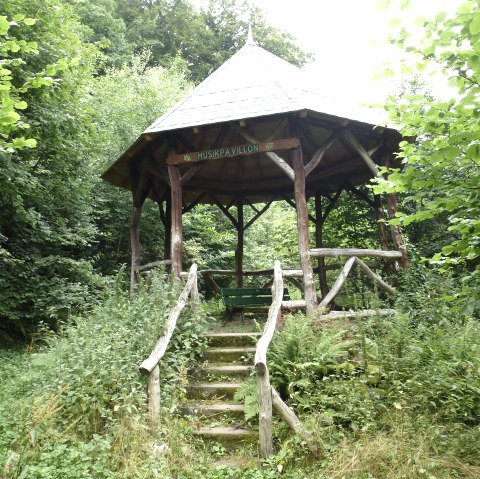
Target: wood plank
(337,252)
(251,148)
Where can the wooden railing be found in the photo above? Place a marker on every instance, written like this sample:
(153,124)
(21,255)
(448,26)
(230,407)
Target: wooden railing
(353,255)
(150,365)
(266,394)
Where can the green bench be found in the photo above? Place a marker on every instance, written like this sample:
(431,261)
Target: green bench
(240,299)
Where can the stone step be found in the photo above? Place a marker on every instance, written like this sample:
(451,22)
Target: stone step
(198,409)
(238,354)
(209,390)
(231,370)
(232,339)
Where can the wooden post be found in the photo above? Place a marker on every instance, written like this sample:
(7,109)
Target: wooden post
(302,230)
(135,245)
(380,216)
(319,243)
(176,220)
(264,396)
(239,251)
(153,388)
(395,231)
(167,243)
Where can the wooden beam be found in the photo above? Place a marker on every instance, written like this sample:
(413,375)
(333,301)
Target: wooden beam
(233,151)
(365,313)
(280,162)
(332,202)
(375,277)
(357,146)
(194,203)
(317,157)
(338,283)
(259,213)
(360,194)
(302,230)
(225,211)
(189,174)
(176,209)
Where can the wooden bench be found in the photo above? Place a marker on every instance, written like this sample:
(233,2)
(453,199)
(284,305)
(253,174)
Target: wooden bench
(240,299)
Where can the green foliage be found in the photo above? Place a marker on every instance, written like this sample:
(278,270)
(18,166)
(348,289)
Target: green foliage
(441,170)
(83,408)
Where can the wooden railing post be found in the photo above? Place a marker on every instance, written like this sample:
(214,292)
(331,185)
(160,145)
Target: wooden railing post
(153,389)
(150,365)
(264,395)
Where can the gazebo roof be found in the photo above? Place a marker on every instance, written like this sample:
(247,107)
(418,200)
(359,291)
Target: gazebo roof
(251,97)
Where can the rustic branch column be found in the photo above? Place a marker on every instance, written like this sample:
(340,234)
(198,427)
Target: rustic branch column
(176,219)
(319,243)
(135,245)
(395,231)
(167,243)
(239,251)
(302,230)
(380,217)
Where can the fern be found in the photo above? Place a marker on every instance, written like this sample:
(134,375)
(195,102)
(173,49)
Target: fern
(247,393)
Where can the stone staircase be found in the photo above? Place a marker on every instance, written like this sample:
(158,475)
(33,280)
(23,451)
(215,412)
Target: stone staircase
(228,362)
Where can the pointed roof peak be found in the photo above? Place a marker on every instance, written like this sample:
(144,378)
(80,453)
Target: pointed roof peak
(250,40)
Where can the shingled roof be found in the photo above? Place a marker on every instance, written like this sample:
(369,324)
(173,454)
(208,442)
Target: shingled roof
(264,94)
(252,83)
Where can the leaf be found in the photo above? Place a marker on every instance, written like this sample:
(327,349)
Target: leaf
(475,25)
(4,25)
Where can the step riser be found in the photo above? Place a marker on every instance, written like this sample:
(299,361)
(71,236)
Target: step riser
(230,374)
(229,356)
(231,443)
(194,392)
(227,341)
(205,412)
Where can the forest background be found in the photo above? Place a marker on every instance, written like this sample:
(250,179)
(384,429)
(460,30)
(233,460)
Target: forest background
(79,80)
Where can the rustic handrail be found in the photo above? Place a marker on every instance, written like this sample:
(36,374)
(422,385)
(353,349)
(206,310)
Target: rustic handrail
(152,265)
(264,389)
(267,397)
(336,252)
(352,261)
(150,365)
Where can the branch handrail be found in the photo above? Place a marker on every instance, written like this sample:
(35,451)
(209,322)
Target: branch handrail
(158,351)
(273,314)
(150,365)
(268,398)
(336,252)
(152,265)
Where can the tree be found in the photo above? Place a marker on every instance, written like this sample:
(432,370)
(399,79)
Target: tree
(45,192)
(441,173)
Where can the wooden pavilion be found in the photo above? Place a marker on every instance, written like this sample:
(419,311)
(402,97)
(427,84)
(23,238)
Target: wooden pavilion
(255,131)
